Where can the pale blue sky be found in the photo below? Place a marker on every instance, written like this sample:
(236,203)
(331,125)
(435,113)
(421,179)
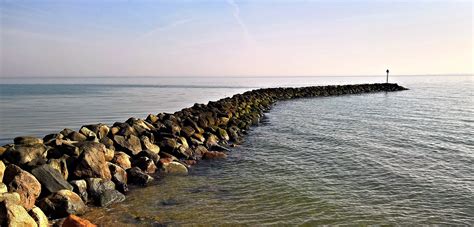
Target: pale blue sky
(234,38)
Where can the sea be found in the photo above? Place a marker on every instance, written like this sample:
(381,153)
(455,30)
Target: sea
(397,158)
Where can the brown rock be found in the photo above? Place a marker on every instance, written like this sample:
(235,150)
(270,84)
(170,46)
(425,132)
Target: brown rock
(27,140)
(2,170)
(174,168)
(24,183)
(122,160)
(40,218)
(145,164)
(130,144)
(147,145)
(109,154)
(91,162)
(13,214)
(62,204)
(75,221)
(24,154)
(119,177)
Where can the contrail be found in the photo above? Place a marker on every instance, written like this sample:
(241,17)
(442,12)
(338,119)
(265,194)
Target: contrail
(242,25)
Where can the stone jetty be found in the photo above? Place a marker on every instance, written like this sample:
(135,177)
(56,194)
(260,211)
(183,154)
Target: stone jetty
(58,176)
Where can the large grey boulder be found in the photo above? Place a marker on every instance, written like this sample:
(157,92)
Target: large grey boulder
(50,179)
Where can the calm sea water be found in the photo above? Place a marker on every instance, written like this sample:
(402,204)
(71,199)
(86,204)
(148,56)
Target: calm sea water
(387,158)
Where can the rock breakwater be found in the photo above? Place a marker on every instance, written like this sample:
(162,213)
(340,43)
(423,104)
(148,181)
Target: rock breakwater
(59,175)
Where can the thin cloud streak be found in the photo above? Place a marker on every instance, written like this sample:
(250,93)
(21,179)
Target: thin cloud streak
(236,13)
(163,28)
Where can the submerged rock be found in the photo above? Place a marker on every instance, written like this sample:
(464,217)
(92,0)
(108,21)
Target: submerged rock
(109,197)
(174,167)
(138,177)
(214,155)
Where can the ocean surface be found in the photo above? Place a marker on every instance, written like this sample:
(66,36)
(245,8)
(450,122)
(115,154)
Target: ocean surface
(386,158)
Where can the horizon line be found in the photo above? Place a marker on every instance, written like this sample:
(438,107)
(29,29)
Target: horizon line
(236,76)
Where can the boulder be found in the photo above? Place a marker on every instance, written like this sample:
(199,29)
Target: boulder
(152,118)
(91,162)
(40,218)
(147,145)
(145,164)
(51,180)
(149,154)
(80,188)
(187,131)
(109,143)
(62,203)
(23,154)
(60,165)
(103,191)
(109,154)
(11,197)
(211,140)
(75,136)
(99,130)
(119,177)
(109,197)
(4,148)
(27,140)
(75,221)
(199,137)
(183,142)
(138,177)
(87,132)
(123,160)
(130,144)
(96,186)
(3,188)
(24,183)
(168,144)
(174,168)
(214,155)
(2,170)
(222,134)
(12,214)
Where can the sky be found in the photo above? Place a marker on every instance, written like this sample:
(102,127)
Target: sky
(85,38)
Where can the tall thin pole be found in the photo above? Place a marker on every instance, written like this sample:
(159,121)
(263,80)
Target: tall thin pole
(387,76)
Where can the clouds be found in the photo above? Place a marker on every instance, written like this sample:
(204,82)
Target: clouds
(236,14)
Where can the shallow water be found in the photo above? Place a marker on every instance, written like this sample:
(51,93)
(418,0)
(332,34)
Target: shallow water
(387,158)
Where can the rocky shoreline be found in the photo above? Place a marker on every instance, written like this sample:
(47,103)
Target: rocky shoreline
(53,179)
